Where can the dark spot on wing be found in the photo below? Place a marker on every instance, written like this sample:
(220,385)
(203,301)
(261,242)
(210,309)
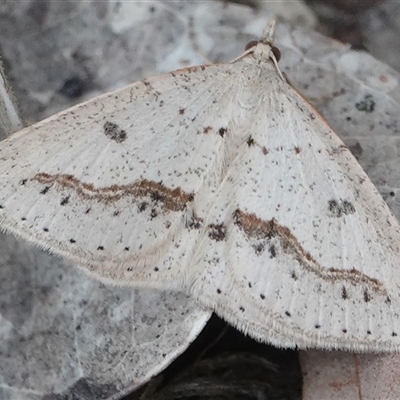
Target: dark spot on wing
(264,150)
(64,201)
(250,141)
(222,131)
(142,206)
(258,248)
(45,190)
(114,132)
(153,213)
(348,208)
(217,232)
(338,209)
(156,196)
(195,223)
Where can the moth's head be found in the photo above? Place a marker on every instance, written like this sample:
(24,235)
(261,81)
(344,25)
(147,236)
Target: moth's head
(263,49)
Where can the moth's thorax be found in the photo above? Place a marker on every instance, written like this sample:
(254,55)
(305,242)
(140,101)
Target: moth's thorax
(257,84)
(260,62)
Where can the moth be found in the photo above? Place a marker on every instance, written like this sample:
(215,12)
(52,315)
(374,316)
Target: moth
(224,182)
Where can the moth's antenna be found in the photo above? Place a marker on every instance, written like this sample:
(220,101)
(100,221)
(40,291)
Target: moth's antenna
(268,34)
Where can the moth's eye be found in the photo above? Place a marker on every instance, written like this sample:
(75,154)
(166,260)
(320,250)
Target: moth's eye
(251,44)
(276,52)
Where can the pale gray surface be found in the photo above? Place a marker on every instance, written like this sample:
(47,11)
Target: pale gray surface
(381,29)
(102,53)
(61,332)
(10,121)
